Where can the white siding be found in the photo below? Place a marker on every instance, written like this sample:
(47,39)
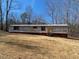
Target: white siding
(59,29)
(26,29)
(10,29)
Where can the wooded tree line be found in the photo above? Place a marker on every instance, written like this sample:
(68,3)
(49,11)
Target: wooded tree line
(68,14)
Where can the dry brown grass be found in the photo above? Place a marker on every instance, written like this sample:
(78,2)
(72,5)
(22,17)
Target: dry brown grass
(25,46)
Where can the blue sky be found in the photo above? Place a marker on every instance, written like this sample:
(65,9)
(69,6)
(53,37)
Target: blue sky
(39,7)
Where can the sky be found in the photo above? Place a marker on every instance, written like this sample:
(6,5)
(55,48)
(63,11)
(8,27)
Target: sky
(39,7)
(19,6)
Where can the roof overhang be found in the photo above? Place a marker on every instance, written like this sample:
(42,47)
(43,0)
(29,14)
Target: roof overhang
(39,25)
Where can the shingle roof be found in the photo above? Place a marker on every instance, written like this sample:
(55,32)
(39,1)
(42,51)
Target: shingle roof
(39,25)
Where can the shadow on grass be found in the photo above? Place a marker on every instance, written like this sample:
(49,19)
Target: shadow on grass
(35,49)
(21,45)
(28,46)
(73,38)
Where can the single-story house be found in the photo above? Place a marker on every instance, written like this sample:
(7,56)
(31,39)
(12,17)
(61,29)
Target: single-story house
(59,29)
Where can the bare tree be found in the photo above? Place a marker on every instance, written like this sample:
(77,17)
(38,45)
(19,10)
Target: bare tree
(26,16)
(8,8)
(12,19)
(67,6)
(72,17)
(54,10)
(39,20)
(76,9)
(1,16)
(10,5)
(76,15)
(51,7)
(29,13)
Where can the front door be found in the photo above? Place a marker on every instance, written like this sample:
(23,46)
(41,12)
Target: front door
(49,29)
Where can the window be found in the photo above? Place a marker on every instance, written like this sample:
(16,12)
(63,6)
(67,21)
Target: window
(43,28)
(34,27)
(65,30)
(16,27)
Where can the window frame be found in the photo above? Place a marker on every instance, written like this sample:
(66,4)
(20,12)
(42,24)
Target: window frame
(43,28)
(15,27)
(35,27)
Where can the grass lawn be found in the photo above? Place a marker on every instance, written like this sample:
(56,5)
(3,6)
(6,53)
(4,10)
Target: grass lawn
(26,46)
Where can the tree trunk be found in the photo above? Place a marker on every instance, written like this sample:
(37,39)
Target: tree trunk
(1,18)
(7,11)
